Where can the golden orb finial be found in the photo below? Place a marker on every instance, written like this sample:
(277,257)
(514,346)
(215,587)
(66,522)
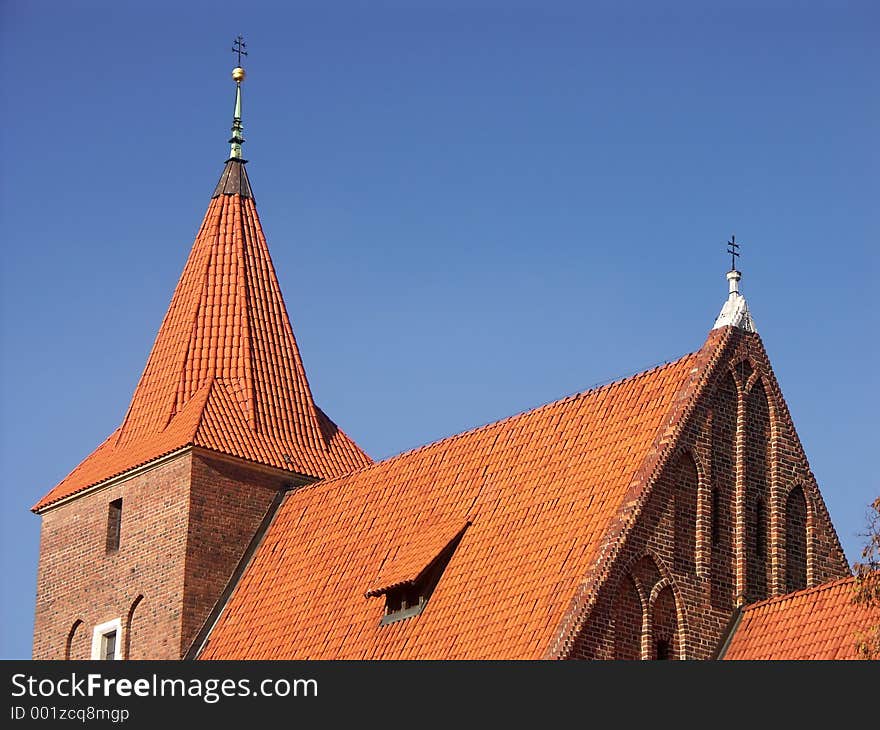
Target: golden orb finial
(238,74)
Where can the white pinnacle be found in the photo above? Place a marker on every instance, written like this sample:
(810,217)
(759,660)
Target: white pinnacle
(735,312)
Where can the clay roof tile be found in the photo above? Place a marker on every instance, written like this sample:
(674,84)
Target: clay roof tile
(821,622)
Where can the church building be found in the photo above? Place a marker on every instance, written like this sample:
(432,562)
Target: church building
(669,515)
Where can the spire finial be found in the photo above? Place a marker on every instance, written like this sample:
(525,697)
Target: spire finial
(237,139)
(733,276)
(733,250)
(735,311)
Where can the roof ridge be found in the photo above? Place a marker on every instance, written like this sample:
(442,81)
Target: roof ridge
(828,585)
(476,429)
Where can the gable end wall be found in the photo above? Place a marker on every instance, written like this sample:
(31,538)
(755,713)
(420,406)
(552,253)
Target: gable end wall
(720,572)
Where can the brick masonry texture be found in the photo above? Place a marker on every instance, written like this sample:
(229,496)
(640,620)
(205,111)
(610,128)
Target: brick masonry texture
(675,575)
(185,525)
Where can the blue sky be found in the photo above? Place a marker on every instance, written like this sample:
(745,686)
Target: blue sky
(473,209)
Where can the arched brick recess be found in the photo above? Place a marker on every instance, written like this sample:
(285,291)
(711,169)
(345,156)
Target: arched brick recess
(723,476)
(130,637)
(796,519)
(705,499)
(628,619)
(665,637)
(742,371)
(685,526)
(74,646)
(139,629)
(753,378)
(757,478)
(652,577)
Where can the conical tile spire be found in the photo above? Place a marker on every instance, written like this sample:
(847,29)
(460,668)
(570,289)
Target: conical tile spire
(225,371)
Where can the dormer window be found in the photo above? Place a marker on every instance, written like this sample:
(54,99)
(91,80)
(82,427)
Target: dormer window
(411,577)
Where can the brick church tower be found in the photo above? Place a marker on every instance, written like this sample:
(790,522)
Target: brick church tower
(139,541)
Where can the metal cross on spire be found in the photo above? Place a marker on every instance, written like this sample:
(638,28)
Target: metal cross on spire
(238,74)
(733,250)
(238,46)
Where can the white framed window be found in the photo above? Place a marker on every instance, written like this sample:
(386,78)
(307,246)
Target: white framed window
(107,640)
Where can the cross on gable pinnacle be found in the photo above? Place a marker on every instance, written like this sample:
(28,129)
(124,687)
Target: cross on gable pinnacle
(733,250)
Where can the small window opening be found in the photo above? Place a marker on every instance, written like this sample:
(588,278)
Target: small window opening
(108,646)
(114,525)
(662,649)
(404,601)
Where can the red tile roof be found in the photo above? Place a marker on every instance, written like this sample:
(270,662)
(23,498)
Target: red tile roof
(540,491)
(816,623)
(225,372)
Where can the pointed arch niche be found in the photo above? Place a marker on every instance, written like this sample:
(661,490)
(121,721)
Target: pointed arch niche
(723,470)
(796,523)
(757,473)
(685,527)
(647,621)
(77,645)
(665,638)
(135,633)
(628,619)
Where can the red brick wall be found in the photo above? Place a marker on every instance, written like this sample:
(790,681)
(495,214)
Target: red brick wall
(228,502)
(185,525)
(78,580)
(744,448)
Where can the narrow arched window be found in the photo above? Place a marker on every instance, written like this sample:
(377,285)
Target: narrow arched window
(664,625)
(796,540)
